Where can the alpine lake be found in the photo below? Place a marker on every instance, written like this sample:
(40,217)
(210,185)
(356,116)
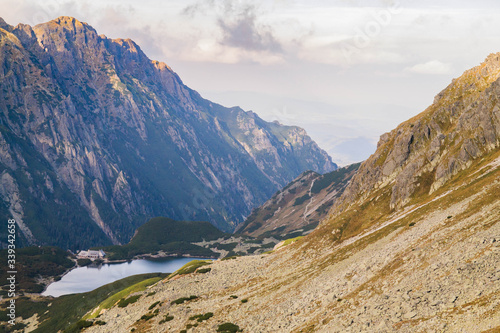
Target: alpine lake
(83,279)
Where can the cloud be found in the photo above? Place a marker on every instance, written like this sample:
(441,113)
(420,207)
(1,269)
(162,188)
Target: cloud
(431,67)
(238,23)
(243,31)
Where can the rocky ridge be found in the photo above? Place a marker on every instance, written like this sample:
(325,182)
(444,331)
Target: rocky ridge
(460,126)
(298,207)
(96,139)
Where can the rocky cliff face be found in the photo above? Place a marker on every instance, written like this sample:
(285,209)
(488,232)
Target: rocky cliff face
(425,152)
(96,138)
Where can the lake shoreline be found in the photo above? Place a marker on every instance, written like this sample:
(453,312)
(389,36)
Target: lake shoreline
(87,278)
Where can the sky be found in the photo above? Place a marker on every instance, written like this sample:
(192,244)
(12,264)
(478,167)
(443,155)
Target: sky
(345,70)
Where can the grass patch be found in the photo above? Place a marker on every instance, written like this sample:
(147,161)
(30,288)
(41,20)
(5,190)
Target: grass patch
(190,267)
(117,297)
(290,241)
(124,302)
(204,270)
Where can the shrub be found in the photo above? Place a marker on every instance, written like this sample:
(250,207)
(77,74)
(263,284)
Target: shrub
(203,270)
(229,258)
(301,200)
(229,328)
(201,317)
(183,299)
(147,316)
(151,307)
(83,324)
(244,300)
(167,318)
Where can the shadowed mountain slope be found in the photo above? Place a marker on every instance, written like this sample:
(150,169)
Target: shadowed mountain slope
(96,139)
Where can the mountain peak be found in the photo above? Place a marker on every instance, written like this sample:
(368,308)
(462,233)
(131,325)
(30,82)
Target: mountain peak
(4,25)
(472,81)
(424,153)
(67,24)
(67,21)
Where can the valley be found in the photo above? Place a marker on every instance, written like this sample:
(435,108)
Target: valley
(386,259)
(109,150)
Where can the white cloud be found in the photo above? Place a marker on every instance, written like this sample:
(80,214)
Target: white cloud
(431,67)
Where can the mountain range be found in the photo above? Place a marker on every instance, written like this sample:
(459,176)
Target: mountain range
(411,245)
(96,138)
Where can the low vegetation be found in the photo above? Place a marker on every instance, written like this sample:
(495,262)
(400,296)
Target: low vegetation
(169,236)
(166,318)
(119,296)
(33,262)
(148,316)
(229,328)
(191,267)
(300,200)
(152,306)
(202,317)
(229,258)
(184,299)
(124,302)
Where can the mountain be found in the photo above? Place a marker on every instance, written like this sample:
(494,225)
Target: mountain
(96,139)
(412,245)
(298,207)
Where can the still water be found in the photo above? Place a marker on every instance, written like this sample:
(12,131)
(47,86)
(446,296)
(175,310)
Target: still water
(83,279)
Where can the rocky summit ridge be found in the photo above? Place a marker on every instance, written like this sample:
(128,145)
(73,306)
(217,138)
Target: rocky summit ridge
(426,151)
(413,245)
(96,138)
